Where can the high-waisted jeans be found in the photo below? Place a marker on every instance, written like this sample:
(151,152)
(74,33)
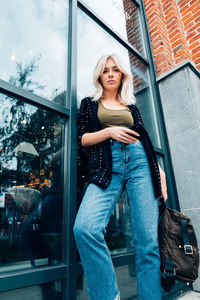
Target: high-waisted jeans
(130,170)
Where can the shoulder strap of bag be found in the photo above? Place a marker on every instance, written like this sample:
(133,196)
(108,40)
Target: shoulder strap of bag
(185,235)
(168,277)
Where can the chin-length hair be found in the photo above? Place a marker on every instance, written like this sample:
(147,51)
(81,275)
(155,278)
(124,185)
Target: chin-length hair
(125,92)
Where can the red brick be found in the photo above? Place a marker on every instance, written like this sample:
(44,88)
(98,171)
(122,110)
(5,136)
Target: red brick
(194,45)
(183,8)
(194,39)
(197,61)
(194,1)
(196,50)
(189,25)
(174,27)
(181,51)
(197,20)
(186,11)
(180,59)
(188,17)
(177,37)
(178,42)
(189,36)
(192,28)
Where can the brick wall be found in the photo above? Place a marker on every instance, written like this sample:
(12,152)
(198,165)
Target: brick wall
(174,27)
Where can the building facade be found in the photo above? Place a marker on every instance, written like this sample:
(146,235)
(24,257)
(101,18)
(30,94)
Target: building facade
(48,53)
(174,28)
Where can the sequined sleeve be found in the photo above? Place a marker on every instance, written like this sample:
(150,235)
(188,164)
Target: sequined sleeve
(139,118)
(83,120)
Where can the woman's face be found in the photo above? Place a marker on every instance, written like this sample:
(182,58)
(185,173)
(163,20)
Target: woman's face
(111,76)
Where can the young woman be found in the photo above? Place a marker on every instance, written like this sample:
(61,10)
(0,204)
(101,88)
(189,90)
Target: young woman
(120,156)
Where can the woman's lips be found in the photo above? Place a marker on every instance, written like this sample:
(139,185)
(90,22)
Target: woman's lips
(111,81)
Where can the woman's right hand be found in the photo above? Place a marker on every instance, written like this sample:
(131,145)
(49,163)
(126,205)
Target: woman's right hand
(117,133)
(122,134)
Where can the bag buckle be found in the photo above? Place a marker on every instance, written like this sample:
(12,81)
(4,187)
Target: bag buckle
(188,249)
(170,271)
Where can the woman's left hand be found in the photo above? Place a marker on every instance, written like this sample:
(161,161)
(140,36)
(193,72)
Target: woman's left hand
(163,184)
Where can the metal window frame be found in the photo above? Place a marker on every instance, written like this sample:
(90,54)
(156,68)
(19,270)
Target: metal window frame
(104,25)
(37,276)
(21,279)
(33,99)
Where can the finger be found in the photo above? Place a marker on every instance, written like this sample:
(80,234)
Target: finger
(130,138)
(165,197)
(125,140)
(131,132)
(164,194)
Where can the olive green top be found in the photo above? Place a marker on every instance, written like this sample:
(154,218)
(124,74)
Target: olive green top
(113,117)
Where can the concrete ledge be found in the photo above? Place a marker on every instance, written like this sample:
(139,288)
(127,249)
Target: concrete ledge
(184,64)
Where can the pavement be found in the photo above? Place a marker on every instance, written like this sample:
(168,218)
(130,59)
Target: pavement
(191,296)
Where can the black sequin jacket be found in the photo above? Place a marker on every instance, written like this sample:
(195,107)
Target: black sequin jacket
(99,157)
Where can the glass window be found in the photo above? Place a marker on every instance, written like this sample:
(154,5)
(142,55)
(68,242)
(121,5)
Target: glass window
(89,53)
(123,17)
(118,232)
(33,46)
(118,237)
(146,107)
(31,172)
(103,43)
(50,290)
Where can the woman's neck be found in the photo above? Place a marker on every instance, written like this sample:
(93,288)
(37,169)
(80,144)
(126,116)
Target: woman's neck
(110,95)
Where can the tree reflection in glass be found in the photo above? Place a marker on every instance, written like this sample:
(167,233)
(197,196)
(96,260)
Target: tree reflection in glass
(31,143)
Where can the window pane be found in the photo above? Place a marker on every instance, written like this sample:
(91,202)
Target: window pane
(146,107)
(122,16)
(31,171)
(89,53)
(33,45)
(118,232)
(51,290)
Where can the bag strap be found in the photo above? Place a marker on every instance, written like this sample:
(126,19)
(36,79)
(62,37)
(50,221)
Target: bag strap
(185,235)
(168,277)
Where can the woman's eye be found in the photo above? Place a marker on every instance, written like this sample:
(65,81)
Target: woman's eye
(105,71)
(116,70)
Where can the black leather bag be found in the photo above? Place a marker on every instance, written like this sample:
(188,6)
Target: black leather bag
(179,251)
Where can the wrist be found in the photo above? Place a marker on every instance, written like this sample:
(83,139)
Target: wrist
(107,133)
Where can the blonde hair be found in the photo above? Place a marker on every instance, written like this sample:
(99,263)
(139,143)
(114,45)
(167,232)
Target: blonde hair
(125,92)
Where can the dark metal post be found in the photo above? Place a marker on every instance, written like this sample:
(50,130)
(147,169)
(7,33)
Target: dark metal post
(70,156)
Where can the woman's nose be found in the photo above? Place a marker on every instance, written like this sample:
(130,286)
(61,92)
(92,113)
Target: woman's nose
(110,73)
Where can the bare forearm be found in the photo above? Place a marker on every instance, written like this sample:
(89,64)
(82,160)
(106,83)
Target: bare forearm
(160,169)
(122,134)
(163,183)
(93,138)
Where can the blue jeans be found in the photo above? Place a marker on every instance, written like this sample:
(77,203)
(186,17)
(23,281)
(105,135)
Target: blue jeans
(130,170)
